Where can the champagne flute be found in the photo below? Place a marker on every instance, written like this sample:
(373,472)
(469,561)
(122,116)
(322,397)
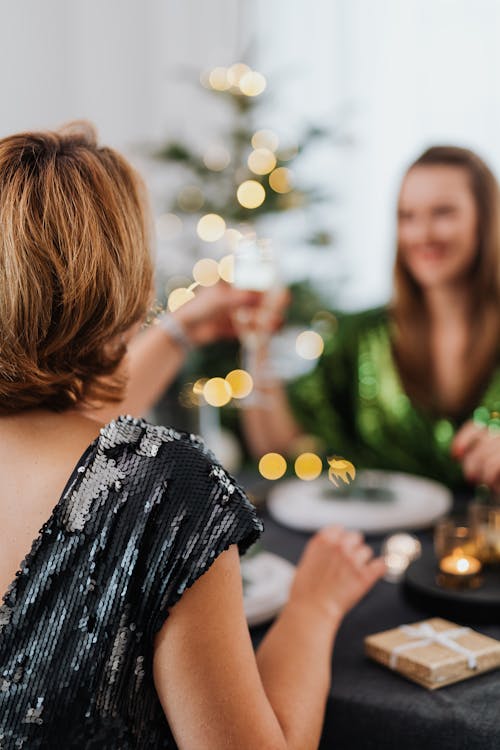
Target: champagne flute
(254,270)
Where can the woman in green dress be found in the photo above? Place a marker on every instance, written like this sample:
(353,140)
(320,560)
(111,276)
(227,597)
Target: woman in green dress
(414,386)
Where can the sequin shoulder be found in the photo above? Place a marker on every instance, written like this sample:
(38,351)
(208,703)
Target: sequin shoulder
(142,517)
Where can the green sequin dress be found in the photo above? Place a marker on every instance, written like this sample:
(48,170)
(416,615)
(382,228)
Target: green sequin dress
(355,402)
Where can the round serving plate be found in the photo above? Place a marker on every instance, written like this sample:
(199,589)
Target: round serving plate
(475,605)
(377,502)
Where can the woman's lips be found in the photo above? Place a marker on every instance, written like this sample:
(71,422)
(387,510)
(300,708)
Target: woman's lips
(429,253)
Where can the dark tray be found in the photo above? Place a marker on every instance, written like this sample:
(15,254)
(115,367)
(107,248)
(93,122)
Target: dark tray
(472,605)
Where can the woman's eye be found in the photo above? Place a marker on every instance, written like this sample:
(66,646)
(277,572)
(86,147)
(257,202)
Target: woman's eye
(444,211)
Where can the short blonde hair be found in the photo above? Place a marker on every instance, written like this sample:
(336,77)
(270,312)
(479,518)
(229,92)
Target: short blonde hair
(75,268)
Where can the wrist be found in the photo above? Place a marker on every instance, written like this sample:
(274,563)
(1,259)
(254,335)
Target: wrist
(324,620)
(176,331)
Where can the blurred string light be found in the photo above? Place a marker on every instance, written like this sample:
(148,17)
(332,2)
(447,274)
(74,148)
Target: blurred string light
(308,466)
(206,272)
(168,226)
(265,139)
(218,79)
(236,72)
(281,180)
(251,194)
(190,199)
(252,83)
(198,386)
(241,383)
(179,297)
(309,345)
(174,282)
(272,466)
(217,392)
(340,468)
(211,227)
(324,322)
(239,78)
(261,161)
(216,158)
(226,268)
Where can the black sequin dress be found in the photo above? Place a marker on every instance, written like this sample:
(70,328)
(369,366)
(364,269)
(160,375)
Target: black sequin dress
(144,514)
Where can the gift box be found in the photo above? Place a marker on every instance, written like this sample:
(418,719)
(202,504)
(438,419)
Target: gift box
(435,652)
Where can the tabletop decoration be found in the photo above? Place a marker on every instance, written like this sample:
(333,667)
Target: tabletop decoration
(484,520)
(434,653)
(455,545)
(398,551)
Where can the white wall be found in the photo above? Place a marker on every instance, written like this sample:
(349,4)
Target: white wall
(399,74)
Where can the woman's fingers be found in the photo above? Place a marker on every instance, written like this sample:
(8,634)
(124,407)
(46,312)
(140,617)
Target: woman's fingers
(465,439)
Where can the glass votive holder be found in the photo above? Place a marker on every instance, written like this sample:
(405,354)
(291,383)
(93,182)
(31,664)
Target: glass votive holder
(456,551)
(484,521)
(454,535)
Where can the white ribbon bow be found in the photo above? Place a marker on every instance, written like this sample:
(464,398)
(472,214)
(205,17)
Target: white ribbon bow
(425,635)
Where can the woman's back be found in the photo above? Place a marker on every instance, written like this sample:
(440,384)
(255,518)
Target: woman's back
(145,512)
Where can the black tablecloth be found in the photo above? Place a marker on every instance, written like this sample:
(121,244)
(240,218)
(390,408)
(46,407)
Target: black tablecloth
(371,708)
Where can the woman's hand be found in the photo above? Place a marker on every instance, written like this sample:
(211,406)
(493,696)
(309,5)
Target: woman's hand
(336,569)
(208,317)
(478,449)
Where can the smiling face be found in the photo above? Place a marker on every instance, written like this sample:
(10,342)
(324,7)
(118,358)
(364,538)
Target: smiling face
(437,225)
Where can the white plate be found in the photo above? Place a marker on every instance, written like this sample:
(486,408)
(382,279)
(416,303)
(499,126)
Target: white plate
(266,583)
(415,503)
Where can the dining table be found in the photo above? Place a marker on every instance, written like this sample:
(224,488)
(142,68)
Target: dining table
(371,707)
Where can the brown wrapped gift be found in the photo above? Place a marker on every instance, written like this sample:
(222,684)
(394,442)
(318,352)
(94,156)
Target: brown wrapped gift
(434,652)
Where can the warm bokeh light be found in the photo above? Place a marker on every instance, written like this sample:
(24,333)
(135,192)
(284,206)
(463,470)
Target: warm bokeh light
(232,238)
(309,345)
(226,268)
(174,282)
(190,198)
(217,392)
(211,227)
(199,385)
(340,468)
(218,79)
(206,272)
(261,161)
(241,383)
(216,158)
(272,466)
(281,180)
(236,72)
(324,322)
(179,297)
(265,139)
(251,194)
(308,466)
(252,83)
(168,226)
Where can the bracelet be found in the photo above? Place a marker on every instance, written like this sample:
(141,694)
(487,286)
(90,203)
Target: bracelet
(175,331)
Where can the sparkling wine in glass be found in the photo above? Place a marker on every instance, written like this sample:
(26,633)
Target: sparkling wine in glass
(254,270)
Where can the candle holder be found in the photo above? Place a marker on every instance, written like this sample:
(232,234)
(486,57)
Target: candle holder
(455,546)
(484,520)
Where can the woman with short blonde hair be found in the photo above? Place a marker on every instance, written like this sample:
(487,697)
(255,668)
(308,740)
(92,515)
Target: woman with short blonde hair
(101,642)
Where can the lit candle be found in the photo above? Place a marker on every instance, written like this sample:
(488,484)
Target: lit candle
(398,551)
(459,571)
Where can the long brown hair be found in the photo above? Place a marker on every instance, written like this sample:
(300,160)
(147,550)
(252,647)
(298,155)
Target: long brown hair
(75,268)
(412,325)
